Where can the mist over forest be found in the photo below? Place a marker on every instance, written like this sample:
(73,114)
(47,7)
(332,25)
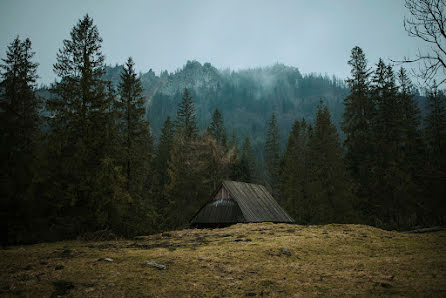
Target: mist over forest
(246,98)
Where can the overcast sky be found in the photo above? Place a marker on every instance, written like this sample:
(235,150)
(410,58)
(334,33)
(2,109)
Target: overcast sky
(313,35)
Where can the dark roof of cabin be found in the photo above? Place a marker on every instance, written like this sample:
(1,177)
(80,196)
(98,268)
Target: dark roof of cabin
(255,202)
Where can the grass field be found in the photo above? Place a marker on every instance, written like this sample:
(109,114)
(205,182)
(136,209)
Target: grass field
(242,260)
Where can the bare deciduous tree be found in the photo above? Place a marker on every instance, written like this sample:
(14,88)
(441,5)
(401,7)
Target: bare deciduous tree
(427,22)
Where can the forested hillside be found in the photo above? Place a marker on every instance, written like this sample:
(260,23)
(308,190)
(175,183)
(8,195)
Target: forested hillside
(246,98)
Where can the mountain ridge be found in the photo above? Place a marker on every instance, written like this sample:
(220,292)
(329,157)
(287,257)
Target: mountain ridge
(246,97)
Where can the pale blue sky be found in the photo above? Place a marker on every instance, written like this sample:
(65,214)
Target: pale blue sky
(315,36)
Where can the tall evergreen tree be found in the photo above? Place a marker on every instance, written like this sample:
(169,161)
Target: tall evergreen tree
(410,116)
(272,157)
(412,151)
(435,134)
(387,122)
(358,115)
(137,140)
(393,195)
(217,128)
(185,190)
(435,126)
(78,133)
(186,122)
(244,166)
(19,130)
(216,161)
(163,151)
(161,166)
(134,129)
(293,173)
(248,162)
(331,191)
(235,172)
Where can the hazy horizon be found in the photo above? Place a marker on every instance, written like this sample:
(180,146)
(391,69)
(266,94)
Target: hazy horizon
(315,37)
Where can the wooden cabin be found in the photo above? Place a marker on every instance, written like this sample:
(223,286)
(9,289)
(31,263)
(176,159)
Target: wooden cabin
(239,202)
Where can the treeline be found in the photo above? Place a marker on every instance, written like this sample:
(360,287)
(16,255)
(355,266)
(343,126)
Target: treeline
(392,173)
(396,157)
(83,158)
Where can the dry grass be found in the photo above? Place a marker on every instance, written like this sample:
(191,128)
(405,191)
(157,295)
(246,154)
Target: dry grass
(241,260)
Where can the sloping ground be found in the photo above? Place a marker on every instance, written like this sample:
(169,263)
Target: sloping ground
(241,260)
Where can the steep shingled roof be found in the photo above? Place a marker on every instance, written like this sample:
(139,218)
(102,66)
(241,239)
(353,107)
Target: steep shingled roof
(255,202)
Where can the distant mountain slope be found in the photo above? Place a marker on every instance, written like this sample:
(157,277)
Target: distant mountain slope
(246,98)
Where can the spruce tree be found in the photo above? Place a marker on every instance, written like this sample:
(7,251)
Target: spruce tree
(135,130)
(78,122)
(217,128)
(272,156)
(357,120)
(185,190)
(412,149)
(435,176)
(161,165)
(137,148)
(19,131)
(163,151)
(292,172)
(412,143)
(435,126)
(215,160)
(236,172)
(248,155)
(392,182)
(331,191)
(186,123)
(244,166)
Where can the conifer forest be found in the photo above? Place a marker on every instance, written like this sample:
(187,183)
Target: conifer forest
(109,147)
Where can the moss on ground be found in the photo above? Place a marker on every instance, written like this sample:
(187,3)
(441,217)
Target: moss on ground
(241,260)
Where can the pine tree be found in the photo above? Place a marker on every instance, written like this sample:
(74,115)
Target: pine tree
(412,143)
(330,191)
(161,165)
(435,126)
(190,179)
(411,151)
(134,129)
(163,151)
(387,120)
(217,129)
(137,148)
(186,122)
(79,126)
(292,172)
(243,166)
(248,162)
(392,182)
(235,172)
(185,190)
(435,176)
(216,161)
(272,157)
(358,114)
(19,131)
